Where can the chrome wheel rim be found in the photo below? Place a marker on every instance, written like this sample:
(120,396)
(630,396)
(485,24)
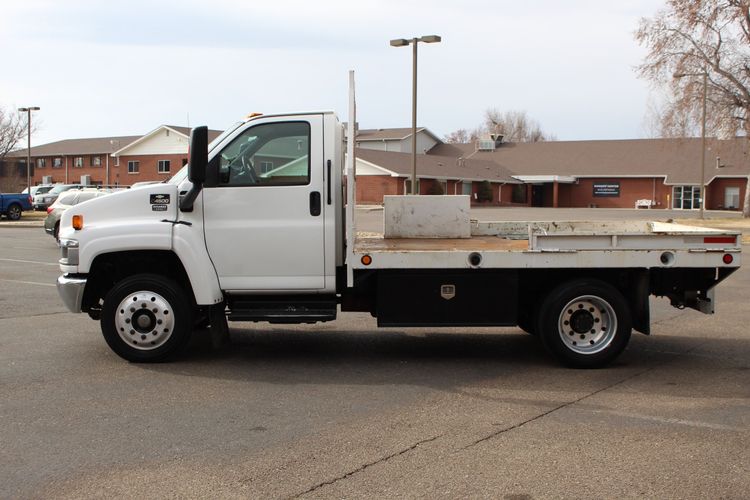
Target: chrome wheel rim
(144,320)
(587,324)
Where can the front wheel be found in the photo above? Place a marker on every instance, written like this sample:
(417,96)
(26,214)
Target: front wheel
(146,318)
(585,323)
(14,211)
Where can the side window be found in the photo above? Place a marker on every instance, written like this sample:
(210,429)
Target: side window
(272,154)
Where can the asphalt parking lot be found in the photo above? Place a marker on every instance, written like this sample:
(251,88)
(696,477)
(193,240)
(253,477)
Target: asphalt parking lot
(346,410)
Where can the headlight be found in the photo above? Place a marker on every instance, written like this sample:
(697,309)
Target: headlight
(69,249)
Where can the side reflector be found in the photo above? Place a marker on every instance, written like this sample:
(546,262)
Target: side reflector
(720,239)
(728,259)
(78,222)
(366,260)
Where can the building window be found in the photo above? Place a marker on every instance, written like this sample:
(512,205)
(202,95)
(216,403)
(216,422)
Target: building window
(40,162)
(163,167)
(133,167)
(96,161)
(466,188)
(407,186)
(57,162)
(519,194)
(78,162)
(266,166)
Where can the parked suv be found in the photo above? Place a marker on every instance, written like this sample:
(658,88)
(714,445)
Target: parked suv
(40,189)
(66,200)
(42,201)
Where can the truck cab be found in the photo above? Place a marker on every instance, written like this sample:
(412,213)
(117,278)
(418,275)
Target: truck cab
(265,223)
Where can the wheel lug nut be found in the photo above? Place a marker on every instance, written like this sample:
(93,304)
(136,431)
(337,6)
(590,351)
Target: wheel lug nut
(127,320)
(132,332)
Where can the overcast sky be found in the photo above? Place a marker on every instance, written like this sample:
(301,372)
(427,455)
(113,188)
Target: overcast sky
(99,68)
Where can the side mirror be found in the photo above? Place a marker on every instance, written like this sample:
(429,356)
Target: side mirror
(197,162)
(198,155)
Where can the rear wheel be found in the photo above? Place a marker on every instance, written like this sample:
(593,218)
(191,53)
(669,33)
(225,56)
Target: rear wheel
(585,323)
(14,211)
(146,318)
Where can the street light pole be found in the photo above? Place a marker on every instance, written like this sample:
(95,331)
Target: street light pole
(704,74)
(402,42)
(703,146)
(28,111)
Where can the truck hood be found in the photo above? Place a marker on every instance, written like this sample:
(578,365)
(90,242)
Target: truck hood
(145,206)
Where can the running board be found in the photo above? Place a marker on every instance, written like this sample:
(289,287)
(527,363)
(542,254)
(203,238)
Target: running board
(281,311)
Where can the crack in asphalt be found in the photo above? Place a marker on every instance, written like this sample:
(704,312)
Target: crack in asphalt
(33,315)
(367,465)
(571,403)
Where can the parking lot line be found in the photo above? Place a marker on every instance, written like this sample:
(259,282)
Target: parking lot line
(28,282)
(31,262)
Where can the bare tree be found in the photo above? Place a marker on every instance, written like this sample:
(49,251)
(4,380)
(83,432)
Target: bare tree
(515,126)
(463,136)
(690,38)
(12,131)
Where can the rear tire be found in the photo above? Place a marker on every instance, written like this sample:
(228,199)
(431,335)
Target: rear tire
(14,211)
(146,318)
(585,323)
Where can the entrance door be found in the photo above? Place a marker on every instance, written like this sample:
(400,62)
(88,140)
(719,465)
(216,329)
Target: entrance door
(537,195)
(686,197)
(263,218)
(732,198)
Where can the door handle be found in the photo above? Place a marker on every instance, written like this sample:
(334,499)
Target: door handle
(315,203)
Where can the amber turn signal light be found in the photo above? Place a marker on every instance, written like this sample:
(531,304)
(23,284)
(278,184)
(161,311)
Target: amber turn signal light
(78,222)
(366,260)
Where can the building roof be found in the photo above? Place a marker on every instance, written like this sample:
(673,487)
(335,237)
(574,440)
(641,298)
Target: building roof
(183,131)
(437,167)
(677,160)
(99,145)
(390,134)
(69,147)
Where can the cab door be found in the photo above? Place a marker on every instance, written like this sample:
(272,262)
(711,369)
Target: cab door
(263,217)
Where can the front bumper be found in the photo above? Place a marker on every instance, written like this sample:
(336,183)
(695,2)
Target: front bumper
(71,291)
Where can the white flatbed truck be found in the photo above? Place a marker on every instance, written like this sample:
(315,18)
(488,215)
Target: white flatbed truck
(260,227)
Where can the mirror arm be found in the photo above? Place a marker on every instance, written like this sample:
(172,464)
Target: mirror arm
(187,200)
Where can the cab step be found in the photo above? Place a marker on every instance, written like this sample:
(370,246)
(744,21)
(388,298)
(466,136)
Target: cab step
(272,310)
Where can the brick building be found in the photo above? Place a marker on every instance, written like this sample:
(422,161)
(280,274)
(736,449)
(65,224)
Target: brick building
(619,173)
(660,173)
(119,161)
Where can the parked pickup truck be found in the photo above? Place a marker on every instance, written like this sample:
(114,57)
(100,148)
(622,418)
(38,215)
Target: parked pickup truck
(11,205)
(259,227)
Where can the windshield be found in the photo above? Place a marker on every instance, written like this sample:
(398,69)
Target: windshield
(182,174)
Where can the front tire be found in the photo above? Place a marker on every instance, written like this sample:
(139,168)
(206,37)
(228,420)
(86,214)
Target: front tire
(585,323)
(146,318)
(14,211)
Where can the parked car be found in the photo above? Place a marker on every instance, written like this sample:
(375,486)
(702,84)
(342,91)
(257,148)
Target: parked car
(11,205)
(66,200)
(44,200)
(40,189)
